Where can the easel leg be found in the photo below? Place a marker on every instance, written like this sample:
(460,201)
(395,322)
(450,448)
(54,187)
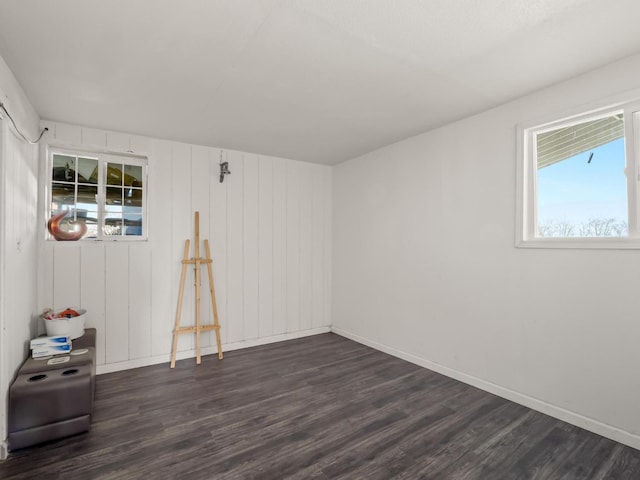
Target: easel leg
(180,298)
(216,324)
(197,267)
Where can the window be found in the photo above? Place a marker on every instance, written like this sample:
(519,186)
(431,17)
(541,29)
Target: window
(578,180)
(107,192)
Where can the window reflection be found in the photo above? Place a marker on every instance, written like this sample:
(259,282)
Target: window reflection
(75,187)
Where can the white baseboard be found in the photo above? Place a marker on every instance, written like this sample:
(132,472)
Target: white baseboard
(4,450)
(568,416)
(211,350)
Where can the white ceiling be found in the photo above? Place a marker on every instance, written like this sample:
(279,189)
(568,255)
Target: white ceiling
(315,80)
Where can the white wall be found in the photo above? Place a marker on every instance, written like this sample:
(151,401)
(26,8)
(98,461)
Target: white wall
(18,221)
(269,225)
(17,103)
(425,268)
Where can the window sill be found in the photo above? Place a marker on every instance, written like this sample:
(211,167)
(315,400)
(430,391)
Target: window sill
(97,240)
(582,243)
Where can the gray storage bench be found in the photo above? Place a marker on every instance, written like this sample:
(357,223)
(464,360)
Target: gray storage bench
(47,402)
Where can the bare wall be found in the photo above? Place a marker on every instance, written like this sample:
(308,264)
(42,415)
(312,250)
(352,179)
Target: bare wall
(425,268)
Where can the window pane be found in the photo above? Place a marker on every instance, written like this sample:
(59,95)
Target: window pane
(62,197)
(87,208)
(89,215)
(132,211)
(133,197)
(133,224)
(87,170)
(114,174)
(114,196)
(133,175)
(64,168)
(581,184)
(113,223)
(87,195)
(111,210)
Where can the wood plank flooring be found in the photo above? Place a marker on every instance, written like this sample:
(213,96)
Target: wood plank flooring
(321,407)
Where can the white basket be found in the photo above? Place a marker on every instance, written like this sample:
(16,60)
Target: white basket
(73,327)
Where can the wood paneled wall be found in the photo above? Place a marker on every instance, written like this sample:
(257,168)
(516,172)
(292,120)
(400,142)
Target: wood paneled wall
(269,225)
(18,220)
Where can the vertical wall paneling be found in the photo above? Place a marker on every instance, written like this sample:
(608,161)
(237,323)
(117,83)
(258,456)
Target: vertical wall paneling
(66,276)
(19,257)
(265,246)
(306,224)
(93,137)
(18,285)
(139,301)
(118,142)
(19,249)
(279,246)
(45,248)
(45,277)
(6,366)
(327,246)
(182,229)
(235,248)
(45,256)
(68,134)
(9,188)
(269,227)
(317,251)
(162,256)
(140,145)
(250,242)
(92,293)
(20,195)
(293,246)
(200,202)
(116,301)
(218,229)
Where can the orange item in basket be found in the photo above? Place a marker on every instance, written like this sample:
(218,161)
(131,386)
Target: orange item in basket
(68,313)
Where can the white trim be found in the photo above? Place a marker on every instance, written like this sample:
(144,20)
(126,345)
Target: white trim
(4,363)
(594,243)
(560,413)
(526,221)
(211,350)
(632,170)
(73,149)
(523,209)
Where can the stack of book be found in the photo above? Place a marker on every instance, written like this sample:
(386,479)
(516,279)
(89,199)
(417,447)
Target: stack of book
(46,346)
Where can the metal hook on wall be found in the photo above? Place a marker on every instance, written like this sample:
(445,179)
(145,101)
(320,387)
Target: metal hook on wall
(224,168)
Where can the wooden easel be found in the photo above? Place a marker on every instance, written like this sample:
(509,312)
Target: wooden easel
(197,261)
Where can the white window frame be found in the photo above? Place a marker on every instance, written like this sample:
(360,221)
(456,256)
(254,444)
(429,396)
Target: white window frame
(104,157)
(526,220)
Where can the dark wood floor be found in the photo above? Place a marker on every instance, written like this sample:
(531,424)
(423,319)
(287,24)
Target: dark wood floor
(321,407)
